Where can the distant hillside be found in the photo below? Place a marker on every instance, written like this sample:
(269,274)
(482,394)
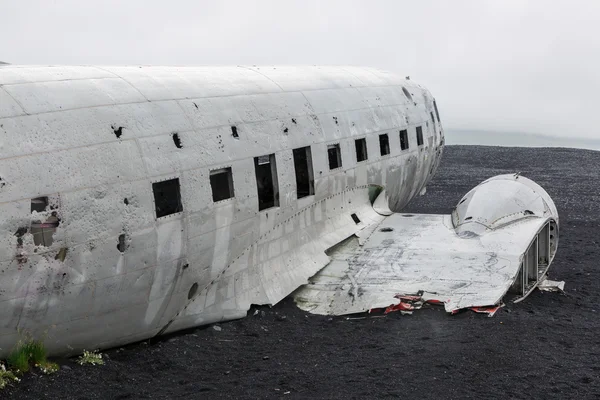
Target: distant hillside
(517,139)
(2,62)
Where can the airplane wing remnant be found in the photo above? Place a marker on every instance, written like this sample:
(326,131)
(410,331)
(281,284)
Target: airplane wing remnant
(501,238)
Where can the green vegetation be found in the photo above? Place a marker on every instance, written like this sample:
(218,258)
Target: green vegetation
(28,352)
(90,357)
(6,377)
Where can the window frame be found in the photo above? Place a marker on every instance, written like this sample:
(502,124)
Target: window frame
(223,170)
(178,209)
(339,155)
(404,144)
(310,170)
(387,140)
(363,142)
(419,131)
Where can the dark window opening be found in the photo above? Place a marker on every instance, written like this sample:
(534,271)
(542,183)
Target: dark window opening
(177,140)
(167,197)
(305,183)
(419,136)
(42,231)
(403,139)
(437,114)
(335,156)
(221,182)
(361,149)
(234,132)
(384,144)
(39,204)
(355,218)
(266,181)
(432,120)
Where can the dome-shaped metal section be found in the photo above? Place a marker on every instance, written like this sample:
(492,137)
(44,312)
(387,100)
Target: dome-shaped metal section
(501,200)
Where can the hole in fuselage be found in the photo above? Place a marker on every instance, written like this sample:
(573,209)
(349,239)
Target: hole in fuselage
(177,140)
(192,291)
(355,218)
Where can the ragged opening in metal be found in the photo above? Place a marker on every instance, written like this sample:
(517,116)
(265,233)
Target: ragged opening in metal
(305,183)
(42,231)
(267,186)
(177,140)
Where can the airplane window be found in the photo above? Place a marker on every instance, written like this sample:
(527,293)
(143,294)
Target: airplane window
(167,197)
(266,181)
(221,182)
(361,149)
(404,139)
(419,136)
(432,120)
(335,156)
(436,111)
(384,144)
(305,183)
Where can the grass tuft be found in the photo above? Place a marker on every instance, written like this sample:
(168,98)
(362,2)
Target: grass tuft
(18,359)
(90,357)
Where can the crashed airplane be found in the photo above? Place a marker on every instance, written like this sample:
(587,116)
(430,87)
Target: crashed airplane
(137,201)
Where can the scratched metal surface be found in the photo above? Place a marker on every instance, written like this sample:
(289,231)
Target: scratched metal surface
(94,139)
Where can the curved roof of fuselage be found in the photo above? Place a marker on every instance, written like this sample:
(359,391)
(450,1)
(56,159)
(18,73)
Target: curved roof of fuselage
(69,117)
(40,89)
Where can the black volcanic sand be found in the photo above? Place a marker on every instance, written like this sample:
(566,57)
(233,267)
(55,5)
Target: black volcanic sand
(544,347)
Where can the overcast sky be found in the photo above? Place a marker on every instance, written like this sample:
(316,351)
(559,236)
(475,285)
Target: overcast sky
(531,66)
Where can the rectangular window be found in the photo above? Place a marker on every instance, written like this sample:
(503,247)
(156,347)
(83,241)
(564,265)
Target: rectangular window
(335,156)
(305,183)
(266,181)
(167,197)
(221,182)
(361,149)
(437,114)
(432,120)
(384,144)
(403,139)
(419,136)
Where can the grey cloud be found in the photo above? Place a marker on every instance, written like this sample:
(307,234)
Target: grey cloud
(511,65)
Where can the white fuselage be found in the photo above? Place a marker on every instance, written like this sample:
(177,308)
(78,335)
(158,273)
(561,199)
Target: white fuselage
(110,232)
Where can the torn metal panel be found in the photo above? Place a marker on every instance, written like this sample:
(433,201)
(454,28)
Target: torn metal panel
(443,258)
